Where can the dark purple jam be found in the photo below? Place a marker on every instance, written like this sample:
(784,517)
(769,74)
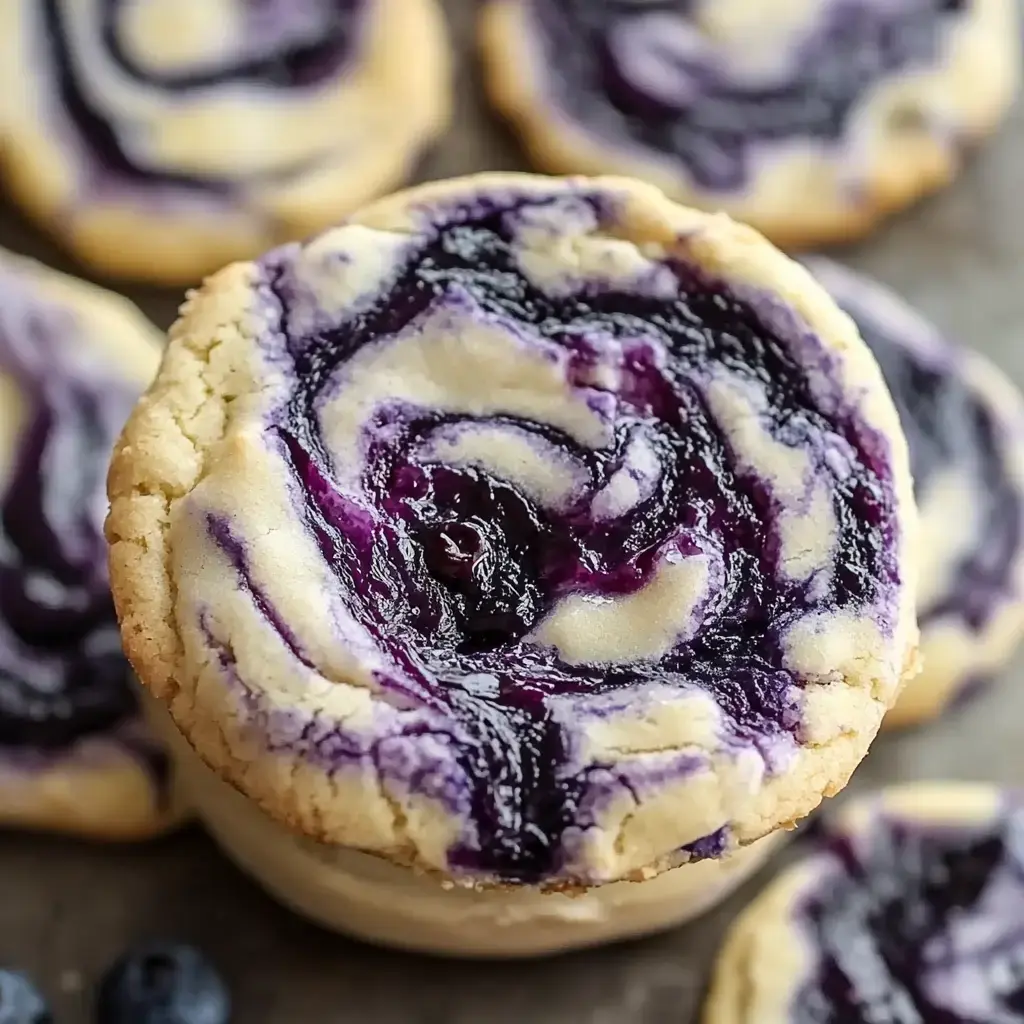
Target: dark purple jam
(457,567)
(920,925)
(304,61)
(948,426)
(715,129)
(62,673)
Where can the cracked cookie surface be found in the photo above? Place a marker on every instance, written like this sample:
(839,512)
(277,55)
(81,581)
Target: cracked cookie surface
(909,910)
(964,423)
(387,904)
(160,139)
(532,531)
(74,753)
(809,119)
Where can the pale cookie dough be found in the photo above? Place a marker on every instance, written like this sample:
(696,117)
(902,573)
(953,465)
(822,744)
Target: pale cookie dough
(74,753)
(368,897)
(159,139)
(531,532)
(909,912)
(809,119)
(964,423)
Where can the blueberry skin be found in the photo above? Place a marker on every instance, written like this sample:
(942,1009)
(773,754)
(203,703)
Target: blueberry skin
(163,983)
(20,1001)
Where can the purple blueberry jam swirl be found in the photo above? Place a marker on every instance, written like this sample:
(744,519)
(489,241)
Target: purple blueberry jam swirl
(62,673)
(947,424)
(920,923)
(612,67)
(450,568)
(287,47)
(949,427)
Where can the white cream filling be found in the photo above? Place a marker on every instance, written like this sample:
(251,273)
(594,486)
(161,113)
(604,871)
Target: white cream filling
(669,608)
(441,365)
(175,36)
(758,41)
(658,52)
(340,268)
(664,53)
(949,527)
(839,645)
(537,467)
(633,482)
(218,130)
(558,246)
(808,531)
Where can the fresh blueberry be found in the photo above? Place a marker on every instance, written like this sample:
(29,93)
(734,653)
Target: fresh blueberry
(163,983)
(20,1001)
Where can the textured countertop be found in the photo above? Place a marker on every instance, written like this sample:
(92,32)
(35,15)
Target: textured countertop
(66,910)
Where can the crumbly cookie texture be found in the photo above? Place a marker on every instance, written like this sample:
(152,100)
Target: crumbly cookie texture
(161,140)
(527,530)
(809,120)
(74,754)
(909,910)
(964,422)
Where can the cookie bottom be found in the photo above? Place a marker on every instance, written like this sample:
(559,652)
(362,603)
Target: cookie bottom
(371,899)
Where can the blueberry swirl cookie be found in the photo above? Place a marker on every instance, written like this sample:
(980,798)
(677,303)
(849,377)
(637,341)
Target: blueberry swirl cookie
(964,423)
(74,755)
(809,119)
(162,138)
(532,532)
(910,911)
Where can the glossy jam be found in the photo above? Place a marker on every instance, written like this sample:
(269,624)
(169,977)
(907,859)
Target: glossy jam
(62,673)
(715,129)
(949,427)
(455,567)
(284,61)
(920,926)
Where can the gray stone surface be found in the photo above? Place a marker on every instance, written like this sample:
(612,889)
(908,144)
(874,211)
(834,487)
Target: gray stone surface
(66,910)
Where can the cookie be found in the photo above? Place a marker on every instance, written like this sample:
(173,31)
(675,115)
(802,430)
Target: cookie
(74,754)
(160,139)
(964,423)
(365,896)
(530,532)
(908,911)
(809,119)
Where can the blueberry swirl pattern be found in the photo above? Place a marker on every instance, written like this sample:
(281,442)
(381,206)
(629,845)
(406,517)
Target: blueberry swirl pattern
(964,422)
(574,538)
(807,118)
(910,911)
(73,752)
(163,138)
